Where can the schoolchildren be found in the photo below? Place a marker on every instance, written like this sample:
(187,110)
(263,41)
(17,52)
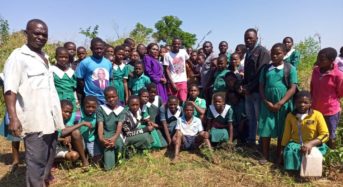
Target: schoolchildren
(120,75)
(292,56)
(71,48)
(152,110)
(223,50)
(81,54)
(139,80)
(141,49)
(327,90)
(154,99)
(219,84)
(198,103)
(235,64)
(276,96)
(219,120)
(127,53)
(305,129)
(109,117)
(134,58)
(189,133)
(241,49)
(109,50)
(194,69)
(168,116)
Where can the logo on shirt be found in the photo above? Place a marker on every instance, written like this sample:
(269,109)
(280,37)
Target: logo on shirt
(179,65)
(100,78)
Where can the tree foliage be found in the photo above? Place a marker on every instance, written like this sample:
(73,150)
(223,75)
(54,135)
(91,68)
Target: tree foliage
(89,32)
(141,34)
(169,27)
(4,31)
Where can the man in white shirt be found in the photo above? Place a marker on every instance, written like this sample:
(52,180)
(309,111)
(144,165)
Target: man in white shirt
(175,68)
(32,102)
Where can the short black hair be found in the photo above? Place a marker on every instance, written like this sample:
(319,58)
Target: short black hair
(118,48)
(89,98)
(68,43)
(235,53)
(143,90)
(242,47)
(129,41)
(302,93)
(287,37)
(329,52)
(110,88)
(59,50)
(32,21)
(172,97)
(251,30)
(280,45)
(223,42)
(81,47)
(109,46)
(96,40)
(139,63)
(193,85)
(132,97)
(188,104)
(206,43)
(222,56)
(152,86)
(66,102)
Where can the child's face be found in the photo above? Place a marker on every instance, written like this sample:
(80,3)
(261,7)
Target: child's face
(111,98)
(152,94)
(71,49)
(134,105)
(138,69)
(189,50)
(193,92)
(98,50)
(176,45)
(200,60)
(214,64)
(135,56)
(163,51)
(90,107)
(188,110)
(66,112)
(323,62)
(239,51)
(193,56)
(127,51)
(302,104)
(235,60)
(172,105)
(144,97)
(218,103)
(277,55)
(288,43)
(223,47)
(201,52)
(62,58)
(81,53)
(221,64)
(109,51)
(119,56)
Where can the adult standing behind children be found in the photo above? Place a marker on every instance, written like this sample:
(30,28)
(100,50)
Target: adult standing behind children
(206,67)
(90,68)
(256,57)
(175,68)
(32,102)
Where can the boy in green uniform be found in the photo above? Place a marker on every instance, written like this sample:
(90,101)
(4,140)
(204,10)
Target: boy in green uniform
(139,80)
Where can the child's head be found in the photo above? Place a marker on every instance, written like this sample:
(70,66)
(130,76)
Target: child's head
(188,110)
(173,103)
(193,91)
(131,43)
(193,56)
(241,50)
(163,51)
(288,42)
(139,68)
(111,96)
(223,46)
(153,50)
(135,57)
(71,47)
(67,109)
(303,101)
(81,53)
(200,59)
(277,53)
(222,62)
(97,47)
(90,103)
(141,49)
(119,54)
(235,60)
(218,102)
(176,45)
(134,103)
(152,89)
(62,58)
(250,38)
(201,52)
(189,50)
(109,50)
(127,51)
(144,96)
(326,58)
(214,63)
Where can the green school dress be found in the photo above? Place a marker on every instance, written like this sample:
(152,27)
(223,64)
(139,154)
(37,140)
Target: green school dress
(293,57)
(199,102)
(137,83)
(89,135)
(219,84)
(292,155)
(226,117)
(119,73)
(110,118)
(272,124)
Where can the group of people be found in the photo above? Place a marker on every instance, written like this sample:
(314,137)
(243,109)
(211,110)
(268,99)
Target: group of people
(126,99)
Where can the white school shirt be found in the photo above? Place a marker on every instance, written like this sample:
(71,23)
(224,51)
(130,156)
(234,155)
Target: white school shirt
(176,63)
(38,106)
(191,129)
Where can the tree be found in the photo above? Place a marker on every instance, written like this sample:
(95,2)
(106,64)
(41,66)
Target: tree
(4,31)
(88,33)
(308,49)
(141,34)
(168,28)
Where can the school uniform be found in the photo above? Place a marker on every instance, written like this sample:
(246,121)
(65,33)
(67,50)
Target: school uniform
(90,136)
(166,115)
(219,134)
(189,131)
(219,84)
(136,83)
(312,126)
(119,73)
(271,124)
(239,115)
(292,57)
(110,118)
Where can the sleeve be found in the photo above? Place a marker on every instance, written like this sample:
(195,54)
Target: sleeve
(12,73)
(147,81)
(293,76)
(262,76)
(323,132)
(200,127)
(178,124)
(100,115)
(296,58)
(126,72)
(229,116)
(203,104)
(287,131)
(186,55)
(162,113)
(149,70)
(121,116)
(81,70)
(166,59)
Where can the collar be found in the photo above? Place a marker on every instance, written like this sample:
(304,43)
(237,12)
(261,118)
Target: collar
(289,53)
(183,120)
(27,51)
(216,114)
(177,113)
(279,67)
(60,73)
(329,72)
(121,66)
(309,112)
(108,111)
(138,118)
(83,115)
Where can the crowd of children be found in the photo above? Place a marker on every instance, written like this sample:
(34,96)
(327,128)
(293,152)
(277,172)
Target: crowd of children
(127,99)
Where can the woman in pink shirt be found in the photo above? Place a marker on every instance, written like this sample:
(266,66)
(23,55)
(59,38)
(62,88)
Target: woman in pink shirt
(327,89)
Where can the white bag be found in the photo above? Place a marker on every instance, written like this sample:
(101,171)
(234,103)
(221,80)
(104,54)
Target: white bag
(312,164)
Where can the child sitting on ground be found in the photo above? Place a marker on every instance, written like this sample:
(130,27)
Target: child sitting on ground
(198,103)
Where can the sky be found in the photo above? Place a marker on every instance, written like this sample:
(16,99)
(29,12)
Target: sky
(226,19)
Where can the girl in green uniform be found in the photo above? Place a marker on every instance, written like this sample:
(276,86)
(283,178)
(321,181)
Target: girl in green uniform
(292,56)
(120,75)
(276,97)
(219,84)
(219,120)
(109,119)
